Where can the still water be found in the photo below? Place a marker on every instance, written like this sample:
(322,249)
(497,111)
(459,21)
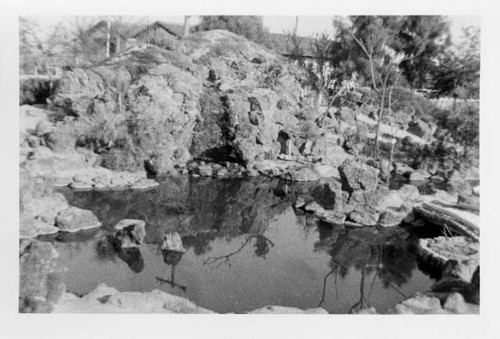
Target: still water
(246,248)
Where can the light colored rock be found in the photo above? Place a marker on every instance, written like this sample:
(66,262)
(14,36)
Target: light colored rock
(314,207)
(144,184)
(359,176)
(300,174)
(418,304)
(300,202)
(390,218)
(40,277)
(332,217)
(74,219)
(326,171)
(364,217)
(172,242)
(131,233)
(287,310)
(81,186)
(403,169)
(460,249)
(106,299)
(455,303)
(475,190)
(419,175)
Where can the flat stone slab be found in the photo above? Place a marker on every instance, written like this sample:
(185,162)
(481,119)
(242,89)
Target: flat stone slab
(438,251)
(460,221)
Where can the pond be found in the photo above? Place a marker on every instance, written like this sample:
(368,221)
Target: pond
(246,248)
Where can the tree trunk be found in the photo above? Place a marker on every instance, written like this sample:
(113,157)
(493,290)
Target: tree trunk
(185,32)
(108,37)
(380,114)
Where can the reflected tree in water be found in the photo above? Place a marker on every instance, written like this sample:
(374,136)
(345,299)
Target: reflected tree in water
(171,258)
(388,259)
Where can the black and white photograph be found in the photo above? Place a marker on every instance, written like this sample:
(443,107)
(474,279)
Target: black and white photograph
(239,164)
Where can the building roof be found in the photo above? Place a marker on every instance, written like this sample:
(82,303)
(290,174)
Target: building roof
(174,29)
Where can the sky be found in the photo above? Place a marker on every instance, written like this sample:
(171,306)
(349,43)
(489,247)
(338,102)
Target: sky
(308,25)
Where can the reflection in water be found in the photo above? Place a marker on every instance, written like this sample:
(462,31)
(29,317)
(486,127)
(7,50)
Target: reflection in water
(233,225)
(106,249)
(171,258)
(262,245)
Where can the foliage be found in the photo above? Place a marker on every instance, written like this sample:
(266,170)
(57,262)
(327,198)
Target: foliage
(250,27)
(458,71)
(421,39)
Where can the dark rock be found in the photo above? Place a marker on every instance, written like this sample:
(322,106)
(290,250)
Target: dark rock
(420,128)
(131,233)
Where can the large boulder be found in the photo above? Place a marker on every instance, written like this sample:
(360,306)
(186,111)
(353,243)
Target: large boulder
(131,233)
(41,282)
(420,129)
(74,219)
(300,174)
(172,242)
(358,176)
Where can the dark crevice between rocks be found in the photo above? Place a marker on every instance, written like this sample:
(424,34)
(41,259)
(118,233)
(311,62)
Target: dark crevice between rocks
(213,135)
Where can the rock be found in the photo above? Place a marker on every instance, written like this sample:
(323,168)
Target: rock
(144,184)
(420,129)
(358,176)
(81,186)
(471,200)
(74,219)
(40,278)
(222,172)
(287,310)
(301,174)
(332,217)
(106,299)
(205,170)
(419,175)
(131,233)
(347,115)
(364,217)
(326,171)
(456,303)
(402,169)
(418,304)
(457,256)
(475,190)
(41,152)
(314,207)
(409,193)
(172,242)
(461,187)
(370,310)
(390,218)
(299,203)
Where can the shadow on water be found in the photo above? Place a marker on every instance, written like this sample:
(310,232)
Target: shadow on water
(245,248)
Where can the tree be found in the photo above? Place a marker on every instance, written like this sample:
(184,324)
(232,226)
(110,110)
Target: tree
(251,27)
(320,70)
(421,39)
(458,71)
(375,35)
(29,44)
